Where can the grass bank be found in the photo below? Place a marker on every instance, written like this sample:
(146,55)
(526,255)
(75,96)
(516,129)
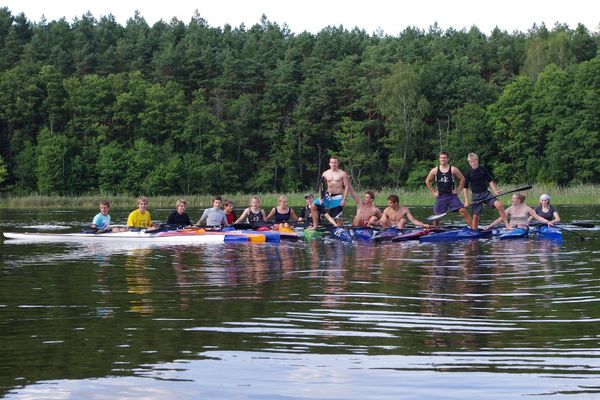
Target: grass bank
(573,195)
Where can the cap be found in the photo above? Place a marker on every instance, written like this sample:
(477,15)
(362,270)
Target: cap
(544,197)
(309,195)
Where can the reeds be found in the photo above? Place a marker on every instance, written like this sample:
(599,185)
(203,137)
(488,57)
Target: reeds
(573,195)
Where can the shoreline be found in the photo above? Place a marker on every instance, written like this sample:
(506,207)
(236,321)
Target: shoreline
(573,195)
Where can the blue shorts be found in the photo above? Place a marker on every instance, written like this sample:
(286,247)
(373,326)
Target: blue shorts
(445,202)
(478,208)
(332,204)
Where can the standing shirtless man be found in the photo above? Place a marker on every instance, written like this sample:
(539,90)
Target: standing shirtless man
(397,215)
(334,200)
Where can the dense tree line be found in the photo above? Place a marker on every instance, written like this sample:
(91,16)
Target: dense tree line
(92,105)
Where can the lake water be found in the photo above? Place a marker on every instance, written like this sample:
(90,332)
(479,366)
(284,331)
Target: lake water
(484,319)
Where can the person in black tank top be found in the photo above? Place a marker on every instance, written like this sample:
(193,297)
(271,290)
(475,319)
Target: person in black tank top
(479,178)
(445,191)
(253,214)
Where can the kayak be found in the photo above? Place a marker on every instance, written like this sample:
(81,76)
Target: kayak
(515,233)
(340,233)
(362,234)
(548,233)
(388,234)
(312,234)
(175,237)
(412,235)
(456,234)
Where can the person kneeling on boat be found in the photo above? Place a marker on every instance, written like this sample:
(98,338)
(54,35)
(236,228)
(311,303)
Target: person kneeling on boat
(519,213)
(179,217)
(366,212)
(140,218)
(398,215)
(547,210)
(214,216)
(479,177)
(281,214)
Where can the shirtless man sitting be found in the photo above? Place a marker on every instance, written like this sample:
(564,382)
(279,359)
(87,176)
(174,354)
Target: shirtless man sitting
(397,215)
(366,212)
(334,200)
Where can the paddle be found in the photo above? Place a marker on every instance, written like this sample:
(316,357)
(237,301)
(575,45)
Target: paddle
(581,238)
(491,196)
(582,224)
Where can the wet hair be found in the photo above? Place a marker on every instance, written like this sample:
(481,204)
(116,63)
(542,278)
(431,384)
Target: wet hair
(104,203)
(179,202)
(393,198)
(371,194)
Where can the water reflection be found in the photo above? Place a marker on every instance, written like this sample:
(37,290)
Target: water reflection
(316,319)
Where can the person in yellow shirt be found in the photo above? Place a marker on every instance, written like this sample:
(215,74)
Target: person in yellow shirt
(140,218)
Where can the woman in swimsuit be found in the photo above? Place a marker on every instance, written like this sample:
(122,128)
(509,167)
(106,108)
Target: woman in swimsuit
(252,214)
(281,214)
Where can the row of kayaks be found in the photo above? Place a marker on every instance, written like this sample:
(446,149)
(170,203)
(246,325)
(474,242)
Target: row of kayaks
(360,234)
(433,235)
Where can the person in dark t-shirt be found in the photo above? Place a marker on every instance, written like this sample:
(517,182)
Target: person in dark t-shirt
(179,217)
(479,177)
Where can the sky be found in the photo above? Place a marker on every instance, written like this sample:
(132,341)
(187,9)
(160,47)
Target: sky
(389,16)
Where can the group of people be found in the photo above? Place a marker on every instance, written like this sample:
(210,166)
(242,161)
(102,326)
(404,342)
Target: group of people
(335,191)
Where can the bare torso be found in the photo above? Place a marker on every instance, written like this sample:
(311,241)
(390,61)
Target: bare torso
(335,180)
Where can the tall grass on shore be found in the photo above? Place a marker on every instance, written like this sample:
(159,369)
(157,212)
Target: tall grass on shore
(575,195)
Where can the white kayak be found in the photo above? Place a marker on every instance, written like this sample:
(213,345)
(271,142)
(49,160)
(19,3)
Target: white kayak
(175,237)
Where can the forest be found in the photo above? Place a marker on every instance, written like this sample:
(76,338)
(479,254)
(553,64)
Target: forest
(92,106)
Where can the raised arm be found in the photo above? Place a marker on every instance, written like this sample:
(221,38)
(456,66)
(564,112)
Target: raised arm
(347,188)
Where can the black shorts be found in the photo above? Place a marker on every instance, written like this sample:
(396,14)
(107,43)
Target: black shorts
(477,209)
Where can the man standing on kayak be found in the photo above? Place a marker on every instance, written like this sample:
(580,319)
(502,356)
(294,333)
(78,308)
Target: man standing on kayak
(333,198)
(479,178)
(445,195)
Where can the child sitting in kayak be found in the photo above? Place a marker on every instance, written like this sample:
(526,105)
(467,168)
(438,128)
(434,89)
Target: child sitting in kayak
(281,214)
(101,221)
(140,218)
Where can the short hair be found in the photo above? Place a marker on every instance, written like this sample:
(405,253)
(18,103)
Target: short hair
(179,202)
(521,197)
(218,197)
(104,203)
(371,194)
(393,198)
(472,156)
(227,202)
(142,199)
(444,153)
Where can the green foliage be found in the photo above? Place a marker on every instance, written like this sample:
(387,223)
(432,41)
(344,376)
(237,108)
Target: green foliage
(3,171)
(189,108)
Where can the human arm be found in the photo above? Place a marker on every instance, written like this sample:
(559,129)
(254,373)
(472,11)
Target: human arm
(293,215)
(415,221)
(461,180)
(242,217)
(357,199)
(430,176)
(347,188)
(270,215)
(466,196)
(494,188)
(202,218)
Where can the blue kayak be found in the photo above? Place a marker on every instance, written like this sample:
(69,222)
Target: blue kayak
(548,233)
(456,234)
(363,234)
(515,233)
(340,233)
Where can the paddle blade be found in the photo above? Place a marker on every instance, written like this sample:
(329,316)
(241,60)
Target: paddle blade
(436,216)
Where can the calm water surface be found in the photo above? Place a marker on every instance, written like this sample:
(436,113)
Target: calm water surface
(298,320)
